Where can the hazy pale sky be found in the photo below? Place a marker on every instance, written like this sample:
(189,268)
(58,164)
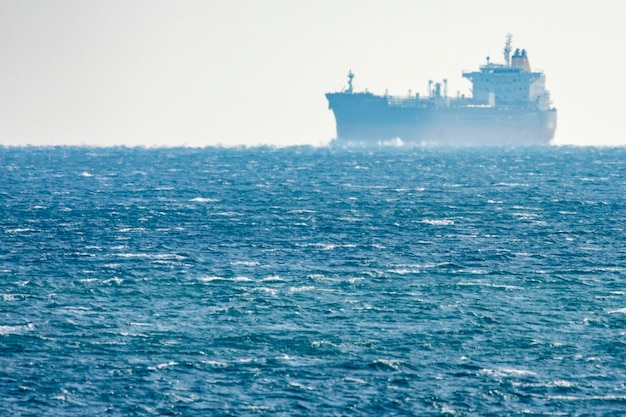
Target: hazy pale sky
(156,72)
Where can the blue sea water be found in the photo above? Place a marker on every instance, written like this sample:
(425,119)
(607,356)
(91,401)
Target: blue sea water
(312,281)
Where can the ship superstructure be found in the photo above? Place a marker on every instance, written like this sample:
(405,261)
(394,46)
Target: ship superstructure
(509,105)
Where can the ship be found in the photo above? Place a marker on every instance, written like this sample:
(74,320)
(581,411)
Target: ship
(508,105)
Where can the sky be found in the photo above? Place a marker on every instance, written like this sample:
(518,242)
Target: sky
(252,72)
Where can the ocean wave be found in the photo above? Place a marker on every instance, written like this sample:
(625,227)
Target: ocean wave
(18,329)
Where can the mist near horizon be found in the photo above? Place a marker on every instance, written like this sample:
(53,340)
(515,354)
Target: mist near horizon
(159,73)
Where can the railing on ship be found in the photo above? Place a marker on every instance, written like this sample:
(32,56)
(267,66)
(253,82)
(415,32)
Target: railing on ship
(414,101)
(408,101)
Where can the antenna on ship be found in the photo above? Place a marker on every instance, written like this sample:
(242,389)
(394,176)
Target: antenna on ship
(507,49)
(350,77)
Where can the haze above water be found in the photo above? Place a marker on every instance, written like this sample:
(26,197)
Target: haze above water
(245,73)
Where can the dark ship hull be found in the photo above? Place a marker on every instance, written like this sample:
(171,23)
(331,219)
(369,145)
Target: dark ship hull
(366,119)
(509,106)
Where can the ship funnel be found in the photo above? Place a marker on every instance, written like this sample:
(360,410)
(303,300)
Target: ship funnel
(520,60)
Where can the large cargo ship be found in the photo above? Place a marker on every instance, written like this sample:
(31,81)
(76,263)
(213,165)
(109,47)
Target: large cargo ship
(509,105)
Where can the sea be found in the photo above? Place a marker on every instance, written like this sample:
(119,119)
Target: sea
(312,281)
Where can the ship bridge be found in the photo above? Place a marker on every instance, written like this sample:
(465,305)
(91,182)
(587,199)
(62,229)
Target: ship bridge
(509,84)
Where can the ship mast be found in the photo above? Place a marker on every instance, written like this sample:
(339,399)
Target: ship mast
(350,77)
(507,49)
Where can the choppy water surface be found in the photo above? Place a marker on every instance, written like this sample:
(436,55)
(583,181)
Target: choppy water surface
(308,281)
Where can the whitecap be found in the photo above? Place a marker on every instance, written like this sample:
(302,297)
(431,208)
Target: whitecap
(271,291)
(159,256)
(127,334)
(19,329)
(506,372)
(245,263)
(204,200)
(229,214)
(353,379)
(525,216)
(241,279)
(272,278)
(474,271)
(394,364)
(257,409)
(14,297)
(301,289)
(588,398)
(438,222)
(323,343)
(448,411)
(20,230)
(561,383)
(215,364)
(131,229)
(488,285)
(211,279)
(140,324)
(59,397)
(618,311)
(298,385)
(512,184)
(163,365)
(350,219)
(403,271)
